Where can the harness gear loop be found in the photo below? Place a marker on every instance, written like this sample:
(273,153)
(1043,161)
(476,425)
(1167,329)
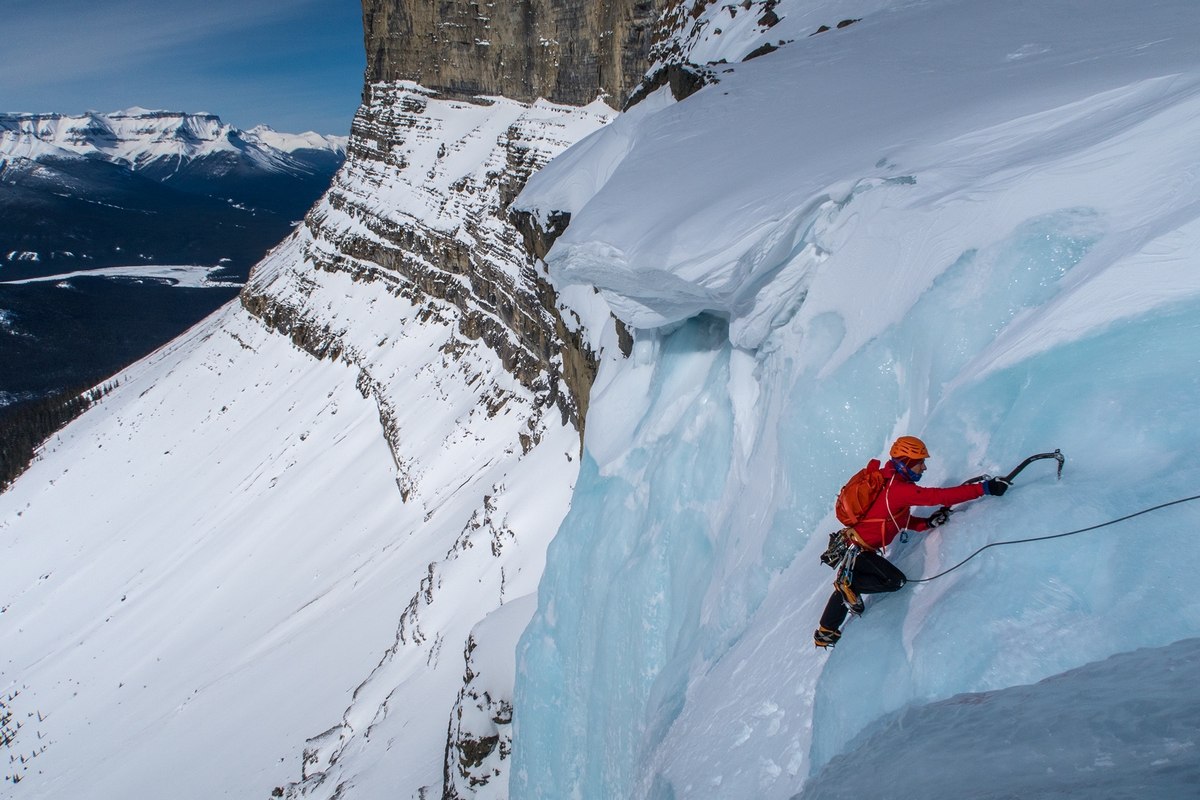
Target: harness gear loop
(845,577)
(839,543)
(836,551)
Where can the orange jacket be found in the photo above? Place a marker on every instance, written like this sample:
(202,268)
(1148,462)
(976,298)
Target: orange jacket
(889,514)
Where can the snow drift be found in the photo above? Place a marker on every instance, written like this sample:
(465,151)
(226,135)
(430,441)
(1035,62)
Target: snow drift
(1122,727)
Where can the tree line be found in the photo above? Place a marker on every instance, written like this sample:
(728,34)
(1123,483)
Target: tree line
(24,427)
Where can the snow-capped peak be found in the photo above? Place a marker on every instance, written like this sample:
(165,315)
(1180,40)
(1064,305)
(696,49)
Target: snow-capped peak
(141,137)
(138,111)
(290,142)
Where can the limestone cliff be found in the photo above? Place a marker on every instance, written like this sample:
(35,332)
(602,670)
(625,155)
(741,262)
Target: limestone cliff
(421,206)
(564,51)
(409,271)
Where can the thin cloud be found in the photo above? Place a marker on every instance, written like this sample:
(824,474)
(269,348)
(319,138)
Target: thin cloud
(51,41)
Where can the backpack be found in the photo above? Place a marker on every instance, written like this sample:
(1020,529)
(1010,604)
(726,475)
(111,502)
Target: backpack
(859,493)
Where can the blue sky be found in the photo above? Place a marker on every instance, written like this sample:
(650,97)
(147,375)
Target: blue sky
(295,65)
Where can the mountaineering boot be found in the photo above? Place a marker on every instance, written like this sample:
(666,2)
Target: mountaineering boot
(823,637)
(853,600)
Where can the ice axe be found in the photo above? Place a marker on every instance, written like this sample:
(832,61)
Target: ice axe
(1056,455)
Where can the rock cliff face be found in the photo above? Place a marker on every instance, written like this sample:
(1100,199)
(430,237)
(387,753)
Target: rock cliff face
(480,739)
(421,205)
(566,52)
(424,204)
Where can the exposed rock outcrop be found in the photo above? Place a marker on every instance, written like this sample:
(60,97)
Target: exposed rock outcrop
(683,28)
(538,238)
(684,80)
(566,51)
(422,204)
(479,739)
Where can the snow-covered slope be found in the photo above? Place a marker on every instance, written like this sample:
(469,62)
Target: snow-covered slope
(408,270)
(307,518)
(145,139)
(138,627)
(291,142)
(973,222)
(422,205)
(219,564)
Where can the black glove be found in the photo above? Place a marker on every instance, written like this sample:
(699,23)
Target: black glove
(939,517)
(995,487)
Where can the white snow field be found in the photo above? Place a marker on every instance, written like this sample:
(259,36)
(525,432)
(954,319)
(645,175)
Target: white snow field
(161,615)
(974,222)
(216,563)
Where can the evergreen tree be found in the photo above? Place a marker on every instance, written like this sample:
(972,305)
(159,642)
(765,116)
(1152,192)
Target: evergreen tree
(25,427)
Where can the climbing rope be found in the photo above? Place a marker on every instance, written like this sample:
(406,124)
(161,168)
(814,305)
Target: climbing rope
(1057,535)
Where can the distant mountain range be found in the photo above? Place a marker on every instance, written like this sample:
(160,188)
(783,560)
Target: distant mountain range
(140,186)
(131,190)
(163,141)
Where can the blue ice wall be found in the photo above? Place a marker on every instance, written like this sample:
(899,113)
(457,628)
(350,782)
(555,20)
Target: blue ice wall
(1123,406)
(620,597)
(1124,727)
(662,562)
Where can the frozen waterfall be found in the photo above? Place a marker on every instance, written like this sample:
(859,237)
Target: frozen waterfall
(1018,271)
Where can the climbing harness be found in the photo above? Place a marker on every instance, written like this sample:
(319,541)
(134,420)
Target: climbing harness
(1057,535)
(840,542)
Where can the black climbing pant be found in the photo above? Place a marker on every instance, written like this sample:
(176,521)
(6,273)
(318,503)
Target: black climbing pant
(872,574)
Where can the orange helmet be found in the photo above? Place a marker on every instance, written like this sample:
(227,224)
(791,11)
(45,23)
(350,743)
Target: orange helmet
(909,447)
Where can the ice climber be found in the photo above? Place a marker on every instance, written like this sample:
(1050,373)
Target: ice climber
(874,506)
